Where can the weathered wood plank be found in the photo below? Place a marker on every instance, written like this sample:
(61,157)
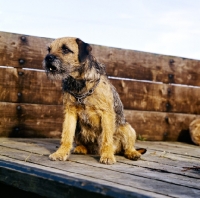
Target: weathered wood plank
(141,175)
(140,65)
(164,160)
(29,120)
(148,66)
(180,145)
(186,150)
(171,155)
(22,51)
(25,86)
(52,182)
(158,97)
(34,87)
(146,167)
(46,146)
(164,157)
(32,120)
(160,126)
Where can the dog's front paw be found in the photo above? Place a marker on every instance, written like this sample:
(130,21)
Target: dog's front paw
(107,159)
(58,156)
(132,155)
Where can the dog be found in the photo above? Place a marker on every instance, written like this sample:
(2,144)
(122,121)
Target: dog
(93,112)
(194,129)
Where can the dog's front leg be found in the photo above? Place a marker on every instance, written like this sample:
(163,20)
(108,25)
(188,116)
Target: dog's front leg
(106,145)
(69,126)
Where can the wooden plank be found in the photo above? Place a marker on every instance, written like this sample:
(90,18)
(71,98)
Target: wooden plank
(148,66)
(170,155)
(155,152)
(25,86)
(111,174)
(165,157)
(180,145)
(152,177)
(170,147)
(53,182)
(147,169)
(40,146)
(156,149)
(20,85)
(140,65)
(19,50)
(160,126)
(8,119)
(158,97)
(149,160)
(29,120)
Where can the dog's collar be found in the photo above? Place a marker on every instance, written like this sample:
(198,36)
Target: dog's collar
(80,97)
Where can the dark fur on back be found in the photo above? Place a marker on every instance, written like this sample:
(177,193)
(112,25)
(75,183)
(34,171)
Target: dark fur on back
(118,107)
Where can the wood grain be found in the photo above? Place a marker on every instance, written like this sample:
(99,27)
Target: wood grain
(178,149)
(130,177)
(148,66)
(31,120)
(31,104)
(158,97)
(26,86)
(160,126)
(52,182)
(20,50)
(119,62)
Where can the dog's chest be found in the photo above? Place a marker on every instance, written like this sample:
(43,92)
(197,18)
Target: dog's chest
(89,118)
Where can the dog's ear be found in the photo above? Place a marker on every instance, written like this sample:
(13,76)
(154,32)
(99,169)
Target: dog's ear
(84,50)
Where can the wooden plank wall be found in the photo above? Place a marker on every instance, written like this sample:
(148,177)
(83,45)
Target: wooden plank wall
(153,88)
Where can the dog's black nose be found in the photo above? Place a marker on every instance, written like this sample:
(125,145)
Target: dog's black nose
(50,58)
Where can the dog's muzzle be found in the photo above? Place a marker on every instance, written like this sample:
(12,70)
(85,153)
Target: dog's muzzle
(49,61)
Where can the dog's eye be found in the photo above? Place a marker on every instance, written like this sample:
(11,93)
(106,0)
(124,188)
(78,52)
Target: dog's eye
(48,49)
(65,49)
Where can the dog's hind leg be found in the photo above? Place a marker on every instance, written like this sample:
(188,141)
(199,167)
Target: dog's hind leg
(126,143)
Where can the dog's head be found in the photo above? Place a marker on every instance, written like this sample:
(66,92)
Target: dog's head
(65,57)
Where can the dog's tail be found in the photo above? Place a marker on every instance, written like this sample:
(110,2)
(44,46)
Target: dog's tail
(141,150)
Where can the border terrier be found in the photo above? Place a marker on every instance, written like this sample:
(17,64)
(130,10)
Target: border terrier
(194,129)
(93,112)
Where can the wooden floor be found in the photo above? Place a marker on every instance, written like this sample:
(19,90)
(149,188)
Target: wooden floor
(168,169)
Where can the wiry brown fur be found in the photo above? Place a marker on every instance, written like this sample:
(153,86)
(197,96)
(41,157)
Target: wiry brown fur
(195,131)
(96,123)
